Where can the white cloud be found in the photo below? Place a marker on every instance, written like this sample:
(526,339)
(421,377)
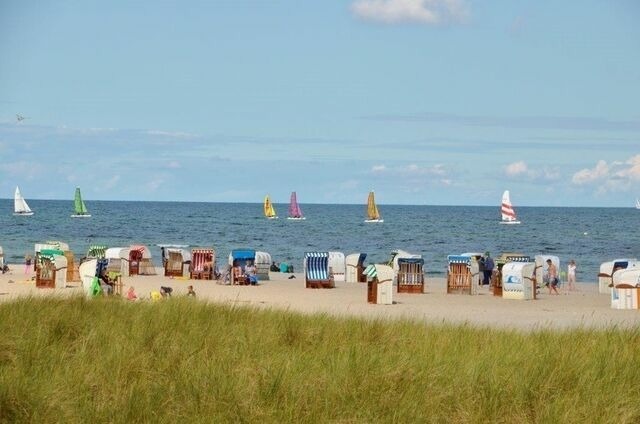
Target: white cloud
(428,12)
(516,168)
(610,177)
(520,170)
(586,176)
(377,169)
(174,164)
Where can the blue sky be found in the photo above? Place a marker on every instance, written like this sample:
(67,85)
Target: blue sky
(443,102)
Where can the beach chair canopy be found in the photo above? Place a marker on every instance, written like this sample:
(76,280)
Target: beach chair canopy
(58,244)
(50,253)
(117,253)
(459,259)
(398,254)
(144,250)
(96,251)
(263,258)
(355,259)
(243,254)
(177,254)
(627,276)
(418,261)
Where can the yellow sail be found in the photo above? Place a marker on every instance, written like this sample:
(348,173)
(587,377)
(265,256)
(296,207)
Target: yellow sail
(269,211)
(372,209)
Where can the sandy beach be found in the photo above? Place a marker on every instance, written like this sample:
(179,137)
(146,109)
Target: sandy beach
(584,307)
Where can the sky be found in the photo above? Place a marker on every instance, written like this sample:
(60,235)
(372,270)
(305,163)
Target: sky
(427,102)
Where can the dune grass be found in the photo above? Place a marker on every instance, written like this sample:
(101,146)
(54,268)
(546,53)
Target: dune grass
(180,360)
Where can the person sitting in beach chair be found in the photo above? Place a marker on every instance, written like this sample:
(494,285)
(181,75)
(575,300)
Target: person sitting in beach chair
(250,273)
(238,276)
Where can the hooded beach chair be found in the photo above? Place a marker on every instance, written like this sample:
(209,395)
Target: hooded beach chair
(355,268)
(337,265)
(140,262)
(460,274)
(608,269)
(316,271)
(379,284)
(238,259)
(410,275)
(202,262)
(625,293)
(519,280)
(496,277)
(51,271)
(175,261)
(262,263)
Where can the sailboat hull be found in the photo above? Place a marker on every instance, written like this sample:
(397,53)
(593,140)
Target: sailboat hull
(374,220)
(293,218)
(23,214)
(509,222)
(81,216)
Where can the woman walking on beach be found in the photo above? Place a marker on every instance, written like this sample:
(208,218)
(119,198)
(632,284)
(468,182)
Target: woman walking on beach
(27,264)
(552,274)
(571,274)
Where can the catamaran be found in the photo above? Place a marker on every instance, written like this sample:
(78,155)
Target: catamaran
(80,208)
(269,211)
(295,213)
(20,207)
(508,213)
(373,215)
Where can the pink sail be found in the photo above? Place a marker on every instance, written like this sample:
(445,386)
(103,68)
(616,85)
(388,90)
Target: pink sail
(294,209)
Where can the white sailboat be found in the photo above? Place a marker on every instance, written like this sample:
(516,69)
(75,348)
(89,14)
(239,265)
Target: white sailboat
(637,203)
(508,213)
(20,207)
(373,215)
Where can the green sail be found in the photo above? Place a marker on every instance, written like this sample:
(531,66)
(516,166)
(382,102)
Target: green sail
(79,205)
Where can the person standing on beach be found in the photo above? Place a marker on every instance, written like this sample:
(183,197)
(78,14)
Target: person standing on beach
(481,270)
(571,274)
(552,274)
(488,268)
(27,264)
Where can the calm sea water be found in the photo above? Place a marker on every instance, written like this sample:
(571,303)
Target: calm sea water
(588,235)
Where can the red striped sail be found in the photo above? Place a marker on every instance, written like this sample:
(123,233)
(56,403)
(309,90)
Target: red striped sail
(508,214)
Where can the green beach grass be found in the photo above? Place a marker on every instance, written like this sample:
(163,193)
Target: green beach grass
(180,360)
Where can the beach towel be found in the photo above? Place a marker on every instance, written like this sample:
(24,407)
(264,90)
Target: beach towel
(96,289)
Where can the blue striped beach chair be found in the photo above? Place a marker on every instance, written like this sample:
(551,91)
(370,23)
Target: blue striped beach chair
(316,271)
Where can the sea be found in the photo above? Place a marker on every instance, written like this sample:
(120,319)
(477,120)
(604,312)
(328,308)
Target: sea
(590,236)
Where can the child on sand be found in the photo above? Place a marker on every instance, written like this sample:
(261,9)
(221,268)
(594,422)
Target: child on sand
(571,274)
(131,294)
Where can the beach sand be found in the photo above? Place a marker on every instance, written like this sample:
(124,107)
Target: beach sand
(582,308)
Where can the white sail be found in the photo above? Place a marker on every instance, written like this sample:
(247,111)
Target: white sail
(637,203)
(507,211)
(20,206)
